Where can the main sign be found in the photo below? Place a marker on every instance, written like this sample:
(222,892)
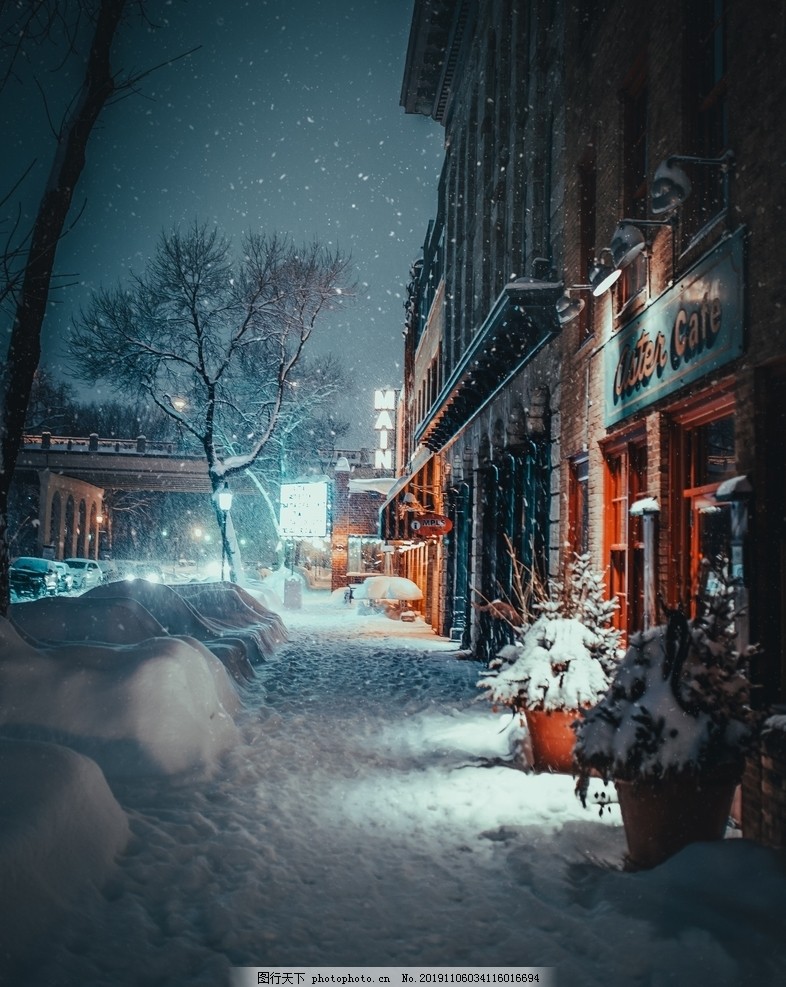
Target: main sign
(385,427)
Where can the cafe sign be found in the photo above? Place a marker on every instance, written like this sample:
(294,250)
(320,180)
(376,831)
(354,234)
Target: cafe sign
(690,330)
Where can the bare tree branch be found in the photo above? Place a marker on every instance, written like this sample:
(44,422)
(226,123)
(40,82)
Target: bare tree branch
(217,343)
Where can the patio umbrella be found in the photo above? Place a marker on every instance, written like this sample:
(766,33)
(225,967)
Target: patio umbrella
(389,588)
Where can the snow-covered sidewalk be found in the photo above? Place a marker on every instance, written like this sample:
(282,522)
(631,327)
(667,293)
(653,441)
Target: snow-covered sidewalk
(370,815)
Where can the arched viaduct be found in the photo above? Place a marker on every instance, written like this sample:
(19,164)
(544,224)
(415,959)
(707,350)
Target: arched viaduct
(74,473)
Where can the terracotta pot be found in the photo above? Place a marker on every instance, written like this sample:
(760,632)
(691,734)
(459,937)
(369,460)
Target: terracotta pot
(552,739)
(663,815)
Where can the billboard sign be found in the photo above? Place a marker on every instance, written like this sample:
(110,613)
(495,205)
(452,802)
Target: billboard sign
(303,512)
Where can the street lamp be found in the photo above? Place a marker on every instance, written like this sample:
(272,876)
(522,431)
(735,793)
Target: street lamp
(225,506)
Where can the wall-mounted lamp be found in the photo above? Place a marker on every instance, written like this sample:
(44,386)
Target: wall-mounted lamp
(671,185)
(602,276)
(569,308)
(628,240)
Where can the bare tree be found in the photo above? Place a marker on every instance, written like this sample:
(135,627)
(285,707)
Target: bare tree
(83,33)
(216,343)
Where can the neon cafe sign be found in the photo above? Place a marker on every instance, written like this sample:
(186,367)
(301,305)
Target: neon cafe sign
(385,406)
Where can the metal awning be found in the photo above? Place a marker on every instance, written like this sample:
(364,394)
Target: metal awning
(388,525)
(416,464)
(522,320)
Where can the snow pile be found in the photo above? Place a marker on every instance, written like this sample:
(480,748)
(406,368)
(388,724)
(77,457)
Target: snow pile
(61,620)
(158,707)
(371,816)
(61,832)
(656,720)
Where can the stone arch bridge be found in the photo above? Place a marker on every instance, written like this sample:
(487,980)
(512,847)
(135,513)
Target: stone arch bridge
(74,473)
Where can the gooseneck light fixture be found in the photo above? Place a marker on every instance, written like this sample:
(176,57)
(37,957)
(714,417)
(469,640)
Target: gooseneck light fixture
(628,240)
(671,185)
(602,275)
(569,308)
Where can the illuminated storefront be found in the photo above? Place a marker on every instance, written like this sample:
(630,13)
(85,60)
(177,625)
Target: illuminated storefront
(669,415)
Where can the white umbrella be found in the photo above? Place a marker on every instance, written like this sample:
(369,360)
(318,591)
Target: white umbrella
(389,588)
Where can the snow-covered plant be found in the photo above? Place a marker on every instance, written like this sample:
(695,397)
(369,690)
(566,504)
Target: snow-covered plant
(679,701)
(566,657)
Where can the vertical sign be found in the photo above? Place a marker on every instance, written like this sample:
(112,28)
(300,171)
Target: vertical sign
(385,406)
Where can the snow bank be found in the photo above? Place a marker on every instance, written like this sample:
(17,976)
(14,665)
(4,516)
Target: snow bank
(59,619)
(62,830)
(229,605)
(234,643)
(160,707)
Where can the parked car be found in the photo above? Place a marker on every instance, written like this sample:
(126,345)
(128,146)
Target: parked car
(132,569)
(65,578)
(33,577)
(86,572)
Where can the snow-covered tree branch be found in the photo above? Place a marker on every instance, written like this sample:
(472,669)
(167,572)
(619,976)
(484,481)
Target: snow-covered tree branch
(217,342)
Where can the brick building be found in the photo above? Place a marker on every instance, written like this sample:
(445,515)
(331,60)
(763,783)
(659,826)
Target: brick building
(482,382)
(644,419)
(356,548)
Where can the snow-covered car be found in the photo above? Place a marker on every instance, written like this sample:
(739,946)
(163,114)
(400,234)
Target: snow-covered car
(132,569)
(34,577)
(65,578)
(86,572)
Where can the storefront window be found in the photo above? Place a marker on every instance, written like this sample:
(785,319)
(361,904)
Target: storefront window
(364,556)
(625,483)
(703,457)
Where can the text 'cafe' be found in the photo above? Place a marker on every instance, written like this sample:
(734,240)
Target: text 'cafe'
(669,417)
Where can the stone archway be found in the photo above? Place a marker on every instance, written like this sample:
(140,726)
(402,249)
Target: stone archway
(69,511)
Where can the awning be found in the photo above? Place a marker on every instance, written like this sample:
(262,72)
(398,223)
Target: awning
(416,464)
(388,510)
(522,320)
(374,484)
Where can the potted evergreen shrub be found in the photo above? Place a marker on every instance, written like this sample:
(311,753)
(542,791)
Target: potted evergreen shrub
(562,661)
(673,729)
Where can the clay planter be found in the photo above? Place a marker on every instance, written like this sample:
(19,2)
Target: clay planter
(663,815)
(552,739)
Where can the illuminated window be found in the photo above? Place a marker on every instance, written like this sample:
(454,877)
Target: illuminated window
(625,483)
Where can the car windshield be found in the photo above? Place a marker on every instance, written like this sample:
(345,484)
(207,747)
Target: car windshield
(77,563)
(40,565)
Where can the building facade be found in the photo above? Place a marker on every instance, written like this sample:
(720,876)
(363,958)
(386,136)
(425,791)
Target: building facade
(482,389)
(642,419)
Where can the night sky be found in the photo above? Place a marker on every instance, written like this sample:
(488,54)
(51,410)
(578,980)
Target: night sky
(286,119)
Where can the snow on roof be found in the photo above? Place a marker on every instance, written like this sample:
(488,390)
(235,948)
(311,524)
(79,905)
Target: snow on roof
(377,484)
(732,489)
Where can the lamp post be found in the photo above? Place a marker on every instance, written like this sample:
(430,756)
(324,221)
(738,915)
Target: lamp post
(225,506)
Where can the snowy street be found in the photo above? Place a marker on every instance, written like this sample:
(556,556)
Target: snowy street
(372,816)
